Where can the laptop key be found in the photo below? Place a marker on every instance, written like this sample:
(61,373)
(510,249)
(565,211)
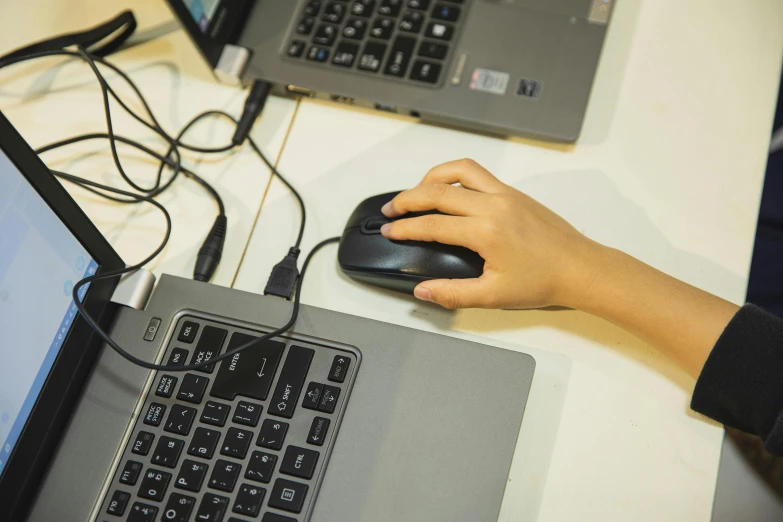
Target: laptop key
(355,29)
(329,399)
(215,413)
(400,56)
(421,5)
(317,54)
(166,386)
(425,72)
(325,35)
(363,8)
(372,56)
(345,54)
(212,508)
(313,7)
(140,512)
(167,452)
(192,388)
(318,430)
(431,50)
(390,7)
(439,31)
(272,434)
(248,500)
(274,517)
(203,443)
(143,443)
(180,419)
(261,467)
(299,462)
(208,346)
(411,22)
(224,475)
(312,397)
(236,442)
(296,49)
(290,382)
(306,25)
(191,475)
(334,12)
(248,413)
(153,484)
(339,369)
(130,473)
(382,28)
(248,373)
(178,357)
(118,503)
(445,12)
(178,508)
(288,495)
(154,415)
(188,332)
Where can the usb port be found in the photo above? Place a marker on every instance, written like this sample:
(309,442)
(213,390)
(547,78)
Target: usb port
(386,107)
(299,91)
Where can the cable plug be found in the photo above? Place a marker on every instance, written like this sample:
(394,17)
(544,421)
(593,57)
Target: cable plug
(254,104)
(211,251)
(284,275)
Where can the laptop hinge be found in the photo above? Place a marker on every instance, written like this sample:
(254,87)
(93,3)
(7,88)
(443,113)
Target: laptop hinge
(231,64)
(134,289)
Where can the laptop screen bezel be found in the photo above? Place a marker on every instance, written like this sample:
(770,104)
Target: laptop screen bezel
(28,461)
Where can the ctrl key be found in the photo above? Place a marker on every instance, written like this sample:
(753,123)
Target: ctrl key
(140,512)
(118,503)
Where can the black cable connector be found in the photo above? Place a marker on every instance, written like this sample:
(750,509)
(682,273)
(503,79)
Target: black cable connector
(254,104)
(211,251)
(284,275)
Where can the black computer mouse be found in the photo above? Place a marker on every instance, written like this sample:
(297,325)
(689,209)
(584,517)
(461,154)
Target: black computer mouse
(366,256)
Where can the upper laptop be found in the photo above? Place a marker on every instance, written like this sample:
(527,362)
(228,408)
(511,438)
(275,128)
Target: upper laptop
(511,67)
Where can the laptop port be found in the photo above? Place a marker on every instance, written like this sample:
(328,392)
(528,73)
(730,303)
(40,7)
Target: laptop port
(299,91)
(386,107)
(343,99)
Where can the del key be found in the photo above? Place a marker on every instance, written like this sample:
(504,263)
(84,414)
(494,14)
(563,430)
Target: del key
(290,383)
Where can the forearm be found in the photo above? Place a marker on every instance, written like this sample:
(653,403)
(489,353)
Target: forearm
(678,319)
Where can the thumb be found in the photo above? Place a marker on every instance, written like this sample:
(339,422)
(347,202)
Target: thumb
(454,293)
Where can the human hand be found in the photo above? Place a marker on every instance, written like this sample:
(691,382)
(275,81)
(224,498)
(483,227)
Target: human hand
(533,257)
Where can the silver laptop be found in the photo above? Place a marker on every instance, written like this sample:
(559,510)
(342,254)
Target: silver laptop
(343,419)
(510,67)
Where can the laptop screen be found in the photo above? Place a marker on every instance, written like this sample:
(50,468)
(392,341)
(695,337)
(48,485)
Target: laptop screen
(40,260)
(202,11)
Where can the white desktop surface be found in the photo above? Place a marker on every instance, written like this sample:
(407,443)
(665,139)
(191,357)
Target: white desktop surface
(47,103)
(669,168)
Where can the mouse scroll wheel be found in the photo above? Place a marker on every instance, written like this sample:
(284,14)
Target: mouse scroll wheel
(374,224)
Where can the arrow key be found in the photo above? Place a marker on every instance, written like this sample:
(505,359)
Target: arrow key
(318,430)
(339,368)
(312,397)
(329,399)
(248,413)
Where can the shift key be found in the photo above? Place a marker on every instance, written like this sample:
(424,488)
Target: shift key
(289,385)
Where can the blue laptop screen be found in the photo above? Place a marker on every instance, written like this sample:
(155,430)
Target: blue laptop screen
(40,260)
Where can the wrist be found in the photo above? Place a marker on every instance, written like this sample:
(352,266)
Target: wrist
(585,279)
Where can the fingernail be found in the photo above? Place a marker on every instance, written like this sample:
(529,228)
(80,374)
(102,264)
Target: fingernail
(385,229)
(387,209)
(422,293)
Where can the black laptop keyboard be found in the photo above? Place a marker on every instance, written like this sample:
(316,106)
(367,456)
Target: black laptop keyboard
(245,439)
(403,39)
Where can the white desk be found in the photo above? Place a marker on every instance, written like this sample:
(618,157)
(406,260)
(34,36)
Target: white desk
(47,104)
(669,168)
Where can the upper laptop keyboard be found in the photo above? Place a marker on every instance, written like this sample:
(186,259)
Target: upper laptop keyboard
(395,38)
(246,439)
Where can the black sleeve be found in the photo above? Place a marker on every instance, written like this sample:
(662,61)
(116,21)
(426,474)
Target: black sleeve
(741,384)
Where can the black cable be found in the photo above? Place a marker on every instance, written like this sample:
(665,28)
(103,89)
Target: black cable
(195,366)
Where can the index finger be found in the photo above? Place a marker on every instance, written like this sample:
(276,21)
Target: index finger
(467,173)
